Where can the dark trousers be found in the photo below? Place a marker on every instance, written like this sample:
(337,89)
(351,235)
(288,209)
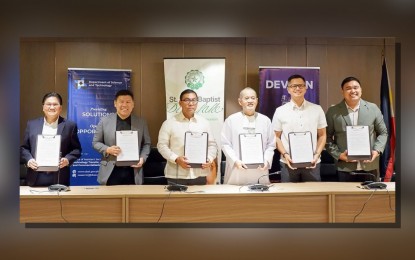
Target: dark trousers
(372,175)
(46,179)
(197,181)
(299,174)
(121,175)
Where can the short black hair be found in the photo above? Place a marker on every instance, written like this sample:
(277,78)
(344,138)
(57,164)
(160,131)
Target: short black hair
(348,79)
(296,76)
(187,91)
(124,92)
(52,94)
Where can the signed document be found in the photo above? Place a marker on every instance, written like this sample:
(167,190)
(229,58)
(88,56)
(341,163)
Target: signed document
(196,148)
(252,154)
(128,142)
(358,143)
(48,152)
(301,149)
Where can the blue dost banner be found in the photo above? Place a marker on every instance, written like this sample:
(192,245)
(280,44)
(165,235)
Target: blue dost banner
(91,95)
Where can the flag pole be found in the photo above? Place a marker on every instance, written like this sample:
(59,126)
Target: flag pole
(387,160)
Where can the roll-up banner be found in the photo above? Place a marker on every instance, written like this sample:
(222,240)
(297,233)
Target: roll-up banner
(206,76)
(91,95)
(273,83)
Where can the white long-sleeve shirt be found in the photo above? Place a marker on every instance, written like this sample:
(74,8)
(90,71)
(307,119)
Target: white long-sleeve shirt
(171,144)
(235,125)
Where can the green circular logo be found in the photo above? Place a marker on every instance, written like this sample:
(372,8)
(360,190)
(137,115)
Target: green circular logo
(194,79)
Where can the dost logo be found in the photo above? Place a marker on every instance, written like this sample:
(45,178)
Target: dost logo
(194,79)
(79,84)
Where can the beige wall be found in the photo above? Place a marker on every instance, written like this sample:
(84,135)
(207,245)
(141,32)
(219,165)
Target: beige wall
(44,63)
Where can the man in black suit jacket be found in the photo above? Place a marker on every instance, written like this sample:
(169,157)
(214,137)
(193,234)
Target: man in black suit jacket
(51,124)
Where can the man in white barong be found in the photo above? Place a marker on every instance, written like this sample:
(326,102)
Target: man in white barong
(247,121)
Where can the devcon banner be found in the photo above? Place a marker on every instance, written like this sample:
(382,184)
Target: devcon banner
(91,95)
(273,86)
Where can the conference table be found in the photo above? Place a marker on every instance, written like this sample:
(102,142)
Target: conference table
(309,202)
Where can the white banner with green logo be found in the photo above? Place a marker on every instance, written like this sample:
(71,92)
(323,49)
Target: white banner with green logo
(206,77)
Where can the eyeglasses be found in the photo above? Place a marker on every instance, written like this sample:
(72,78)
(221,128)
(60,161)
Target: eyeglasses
(52,104)
(300,86)
(188,101)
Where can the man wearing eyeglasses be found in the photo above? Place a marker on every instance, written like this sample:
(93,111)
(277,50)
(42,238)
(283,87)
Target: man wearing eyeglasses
(171,141)
(50,124)
(353,110)
(299,115)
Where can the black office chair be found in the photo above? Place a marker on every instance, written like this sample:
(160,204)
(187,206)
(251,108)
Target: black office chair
(275,167)
(23,173)
(328,170)
(153,168)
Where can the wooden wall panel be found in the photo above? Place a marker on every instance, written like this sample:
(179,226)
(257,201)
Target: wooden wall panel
(345,61)
(153,98)
(317,57)
(131,59)
(102,55)
(37,77)
(44,64)
(259,54)
(297,55)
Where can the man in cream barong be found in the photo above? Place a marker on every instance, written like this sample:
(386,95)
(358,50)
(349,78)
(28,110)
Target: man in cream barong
(250,122)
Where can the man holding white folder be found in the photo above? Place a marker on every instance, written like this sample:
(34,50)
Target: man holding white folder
(171,143)
(250,123)
(299,116)
(51,124)
(354,111)
(105,142)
